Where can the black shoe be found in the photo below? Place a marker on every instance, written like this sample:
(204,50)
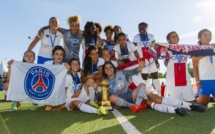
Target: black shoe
(198,107)
(181,111)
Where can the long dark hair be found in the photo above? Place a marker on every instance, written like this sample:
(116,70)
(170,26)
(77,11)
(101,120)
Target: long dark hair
(87,35)
(103,69)
(87,61)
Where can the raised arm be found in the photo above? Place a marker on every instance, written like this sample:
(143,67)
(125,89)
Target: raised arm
(136,54)
(128,73)
(62,30)
(9,69)
(34,42)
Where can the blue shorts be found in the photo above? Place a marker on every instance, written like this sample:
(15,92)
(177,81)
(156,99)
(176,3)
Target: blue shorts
(42,60)
(127,96)
(208,87)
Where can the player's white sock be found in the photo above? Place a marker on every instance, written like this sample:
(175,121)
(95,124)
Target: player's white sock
(91,94)
(157,85)
(176,103)
(123,103)
(140,95)
(163,108)
(88,109)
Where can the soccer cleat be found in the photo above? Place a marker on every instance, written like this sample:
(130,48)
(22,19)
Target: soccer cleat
(34,107)
(135,108)
(13,107)
(143,106)
(18,104)
(181,111)
(48,108)
(198,107)
(94,104)
(102,111)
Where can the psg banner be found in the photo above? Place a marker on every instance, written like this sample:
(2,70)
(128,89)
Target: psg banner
(193,50)
(40,84)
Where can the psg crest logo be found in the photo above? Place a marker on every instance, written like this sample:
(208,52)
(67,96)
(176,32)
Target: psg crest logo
(39,83)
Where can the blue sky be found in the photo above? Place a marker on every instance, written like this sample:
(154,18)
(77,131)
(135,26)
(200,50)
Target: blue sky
(23,18)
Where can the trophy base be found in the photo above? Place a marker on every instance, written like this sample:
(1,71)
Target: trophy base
(106,103)
(108,108)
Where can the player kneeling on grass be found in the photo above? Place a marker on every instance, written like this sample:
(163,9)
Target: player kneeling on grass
(78,95)
(120,94)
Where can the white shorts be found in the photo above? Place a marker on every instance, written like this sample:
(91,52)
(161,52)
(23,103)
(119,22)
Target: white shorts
(150,67)
(149,89)
(184,93)
(83,97)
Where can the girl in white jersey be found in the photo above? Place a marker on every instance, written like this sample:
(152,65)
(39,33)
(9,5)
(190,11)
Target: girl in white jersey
(50,38)
(76,94)
(92,72)
(178,79)
(58,54)
(124,50)
(29,57)
(204,70)
(108,43)
(144,42)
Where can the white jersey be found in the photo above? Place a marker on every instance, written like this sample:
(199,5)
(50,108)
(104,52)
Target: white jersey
(206,68)
(131,49)
(71,87)
(95,68)
(170,76)
(141,44)
(46,43)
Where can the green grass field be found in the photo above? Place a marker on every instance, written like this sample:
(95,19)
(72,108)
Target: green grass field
(24,121)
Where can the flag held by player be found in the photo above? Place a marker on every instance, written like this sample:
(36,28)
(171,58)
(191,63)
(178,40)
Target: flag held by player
(40,84)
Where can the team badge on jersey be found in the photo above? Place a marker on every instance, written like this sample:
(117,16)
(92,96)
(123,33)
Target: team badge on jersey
(39,83)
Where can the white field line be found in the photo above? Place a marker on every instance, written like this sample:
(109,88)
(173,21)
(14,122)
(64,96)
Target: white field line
(126,125)
(3,126)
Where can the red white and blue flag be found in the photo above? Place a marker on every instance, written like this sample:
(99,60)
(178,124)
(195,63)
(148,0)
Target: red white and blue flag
(40,84)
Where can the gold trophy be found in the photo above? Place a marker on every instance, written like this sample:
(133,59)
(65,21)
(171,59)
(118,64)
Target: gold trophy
(105,95)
